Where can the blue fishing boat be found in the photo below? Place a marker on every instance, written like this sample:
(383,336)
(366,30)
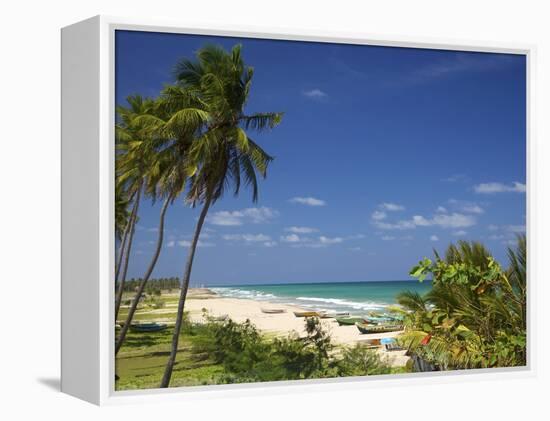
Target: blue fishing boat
(147,327)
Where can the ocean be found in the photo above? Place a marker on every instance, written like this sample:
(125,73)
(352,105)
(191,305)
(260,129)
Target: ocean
(358,298)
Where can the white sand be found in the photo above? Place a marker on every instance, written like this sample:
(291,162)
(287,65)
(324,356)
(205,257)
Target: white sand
(282,324)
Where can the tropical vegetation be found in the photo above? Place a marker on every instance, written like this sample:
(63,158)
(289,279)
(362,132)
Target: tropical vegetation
(475,314)
(194,139)
(196,142)
(229,352)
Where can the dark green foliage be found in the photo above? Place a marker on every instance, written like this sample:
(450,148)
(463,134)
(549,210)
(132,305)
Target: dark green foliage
(475,312)
(248,356)
(229,352)
(154,285)
(361,361)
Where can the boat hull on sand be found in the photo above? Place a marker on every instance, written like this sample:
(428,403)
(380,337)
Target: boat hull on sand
(333,315)
(349,321)
(308,314)
(366,329)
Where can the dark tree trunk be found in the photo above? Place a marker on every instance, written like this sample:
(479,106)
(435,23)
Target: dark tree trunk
(122,279)
(121,250)
(183,294)
(143,282)
(123,245)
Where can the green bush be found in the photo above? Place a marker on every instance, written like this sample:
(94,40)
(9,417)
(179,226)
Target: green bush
(361,361)
(248,356)
(475,314)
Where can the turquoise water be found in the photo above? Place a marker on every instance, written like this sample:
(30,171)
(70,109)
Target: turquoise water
(355,297)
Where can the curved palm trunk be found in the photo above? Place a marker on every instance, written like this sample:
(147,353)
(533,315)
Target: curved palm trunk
(183,294)
(143,282)
(121,251)
(132,223)
(122,245)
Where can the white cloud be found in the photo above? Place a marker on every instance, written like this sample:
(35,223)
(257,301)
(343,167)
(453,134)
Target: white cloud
(239,217)
(434,238)
(291,238)
(460,233)
(465,206)
(489,188)
(270,244)
(454,220)
(388,238)
(400,225)
(187,243)
(309,201)
(327,240)
(473,208)
(321,241)
(392,207)
(226,218)
(315,93)
(420,221)
(441,209)
(247,238)
(301,230)
(260,215)
(379,215)
(354,248)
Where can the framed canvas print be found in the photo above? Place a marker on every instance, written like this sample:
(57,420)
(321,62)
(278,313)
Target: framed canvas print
(248,210)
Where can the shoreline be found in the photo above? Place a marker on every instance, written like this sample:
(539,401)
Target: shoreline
(280,324)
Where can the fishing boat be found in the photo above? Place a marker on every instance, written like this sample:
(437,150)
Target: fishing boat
(309,313)
(273,310)
(378,320)
(349,321)
(333,314)
(147,327)
(367,328)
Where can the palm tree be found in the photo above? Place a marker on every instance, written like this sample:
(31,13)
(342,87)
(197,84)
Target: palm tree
(134,163)
(222,152)
(122,220)
(517,276)
(175,123)
(475,312)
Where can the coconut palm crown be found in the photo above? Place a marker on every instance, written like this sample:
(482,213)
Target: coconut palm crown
(222,154)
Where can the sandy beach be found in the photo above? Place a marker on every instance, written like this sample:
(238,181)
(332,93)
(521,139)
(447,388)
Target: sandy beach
(279,324)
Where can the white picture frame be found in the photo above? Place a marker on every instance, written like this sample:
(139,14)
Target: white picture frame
(88,212)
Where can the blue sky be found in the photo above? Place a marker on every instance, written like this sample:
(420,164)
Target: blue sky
(383,154)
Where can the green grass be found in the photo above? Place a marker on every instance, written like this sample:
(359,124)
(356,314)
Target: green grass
(149,316)
(141,361)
